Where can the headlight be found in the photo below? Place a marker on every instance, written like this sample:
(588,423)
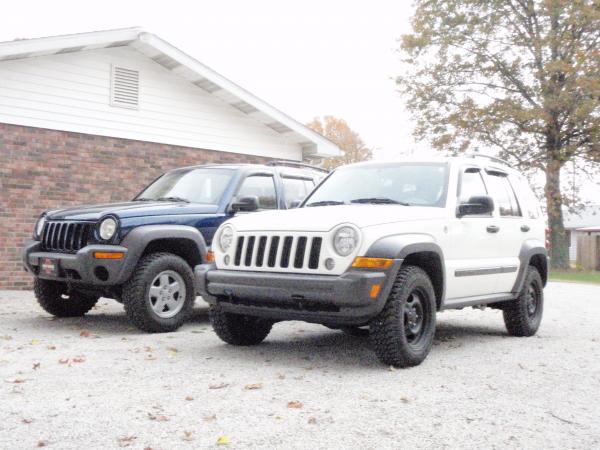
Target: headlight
(345,240)
(39,226)
(226,238)
(107,230)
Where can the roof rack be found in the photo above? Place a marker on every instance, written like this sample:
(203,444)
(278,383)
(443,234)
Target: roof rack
(296,164)
(491,158)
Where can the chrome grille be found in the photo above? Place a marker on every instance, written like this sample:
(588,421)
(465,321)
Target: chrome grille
(66,237)
(298,252)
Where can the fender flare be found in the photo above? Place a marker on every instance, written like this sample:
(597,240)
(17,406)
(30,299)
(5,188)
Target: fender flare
(401,246)
(140,237)
(529,249)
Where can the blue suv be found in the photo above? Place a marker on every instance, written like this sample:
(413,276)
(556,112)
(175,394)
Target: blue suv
(142,253)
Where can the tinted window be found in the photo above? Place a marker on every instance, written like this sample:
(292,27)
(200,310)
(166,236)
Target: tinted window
(295,189)
(416,184)
(263,187)
(194,185)
(471,185)
(504,195)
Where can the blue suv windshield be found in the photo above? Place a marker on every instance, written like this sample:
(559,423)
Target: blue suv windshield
(190,185)
(408,184)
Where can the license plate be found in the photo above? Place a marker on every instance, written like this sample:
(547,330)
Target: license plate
(49,266)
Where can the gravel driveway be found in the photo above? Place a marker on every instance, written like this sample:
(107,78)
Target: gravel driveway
(96,382)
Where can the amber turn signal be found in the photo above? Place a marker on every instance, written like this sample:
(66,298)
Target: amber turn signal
(210,256)
(109,255)
(362,262)
(375,290)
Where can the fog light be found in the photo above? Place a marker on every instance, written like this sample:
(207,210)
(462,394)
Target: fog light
(226,260)
(329,263)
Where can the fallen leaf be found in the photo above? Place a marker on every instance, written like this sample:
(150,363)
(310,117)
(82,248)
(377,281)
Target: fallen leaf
(51,347)
(253,387)
(85,333)
(295,404)
(16,381)
(42,443)
(7,337)
(126,441)
(404,399)
(218,386)
(281,376)
(63,361)
(26,421)
(158,418)
(223,440)
(189,398)
(35,342)
(79,359)
(172,349)
(210,418)
(36,366)
(312,420)
(188,436)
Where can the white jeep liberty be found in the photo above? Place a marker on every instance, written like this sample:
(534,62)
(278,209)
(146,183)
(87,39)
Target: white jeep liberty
(384,246)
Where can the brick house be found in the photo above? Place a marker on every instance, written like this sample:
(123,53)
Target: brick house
(93,117)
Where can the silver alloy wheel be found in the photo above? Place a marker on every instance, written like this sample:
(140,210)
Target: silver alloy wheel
(167,294)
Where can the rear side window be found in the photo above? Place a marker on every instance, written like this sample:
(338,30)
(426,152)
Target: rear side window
(295,189)
(527,199)
(261,186)
(471,185)
(504,195)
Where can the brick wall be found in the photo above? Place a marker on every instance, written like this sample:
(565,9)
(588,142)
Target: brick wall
(44,169)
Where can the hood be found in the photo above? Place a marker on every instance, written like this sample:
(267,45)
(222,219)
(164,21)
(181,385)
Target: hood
(130,209)
(324,218)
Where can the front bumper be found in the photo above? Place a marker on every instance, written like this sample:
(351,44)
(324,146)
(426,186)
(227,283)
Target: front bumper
(80,267)
(333,300)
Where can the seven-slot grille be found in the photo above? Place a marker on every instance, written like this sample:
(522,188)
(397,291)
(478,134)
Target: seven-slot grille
(278,252)
(66,237)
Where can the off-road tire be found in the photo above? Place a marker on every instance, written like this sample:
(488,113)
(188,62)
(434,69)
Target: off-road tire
(239,329)
(55,298)
(136,293)
(518,320)
(389,329)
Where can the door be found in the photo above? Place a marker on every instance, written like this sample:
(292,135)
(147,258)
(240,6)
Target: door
(513,228)
(472,258)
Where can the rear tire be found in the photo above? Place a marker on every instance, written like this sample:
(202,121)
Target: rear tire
(523,316)
(402,334)
(239,329)
(56,299)
(160,294)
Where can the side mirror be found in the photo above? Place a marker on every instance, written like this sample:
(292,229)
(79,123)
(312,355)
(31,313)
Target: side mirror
(244,204)
(295,204)
(476,206)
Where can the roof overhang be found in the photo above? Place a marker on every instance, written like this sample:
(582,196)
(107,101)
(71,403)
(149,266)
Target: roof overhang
(313,144)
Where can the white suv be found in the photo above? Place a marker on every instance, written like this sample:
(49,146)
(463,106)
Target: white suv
(384,246)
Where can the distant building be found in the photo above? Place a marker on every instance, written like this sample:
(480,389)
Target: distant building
(588,217)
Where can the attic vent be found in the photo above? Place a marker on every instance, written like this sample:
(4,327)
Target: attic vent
(125,87)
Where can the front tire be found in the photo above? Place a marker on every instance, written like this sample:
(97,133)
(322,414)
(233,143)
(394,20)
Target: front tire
(239,329)
(56,299)
(402,334)
(523,316)
(160,294)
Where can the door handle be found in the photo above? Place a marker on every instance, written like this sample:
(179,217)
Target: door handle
(525,228)
(493,228)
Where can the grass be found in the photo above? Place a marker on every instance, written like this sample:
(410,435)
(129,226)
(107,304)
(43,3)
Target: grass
(575,276)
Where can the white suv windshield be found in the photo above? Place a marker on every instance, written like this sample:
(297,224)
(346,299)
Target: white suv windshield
(190,185)
(418,184)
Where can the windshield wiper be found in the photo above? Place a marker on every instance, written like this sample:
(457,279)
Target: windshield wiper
(143,199)
(172,199)
(326,203)
(379,201)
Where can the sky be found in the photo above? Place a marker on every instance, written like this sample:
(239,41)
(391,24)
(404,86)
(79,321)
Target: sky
(307,58)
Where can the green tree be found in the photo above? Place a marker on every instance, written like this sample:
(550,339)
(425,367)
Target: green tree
(337,131)
(520,76)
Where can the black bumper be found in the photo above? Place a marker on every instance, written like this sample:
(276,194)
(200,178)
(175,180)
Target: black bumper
(334,300)
(80,267)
